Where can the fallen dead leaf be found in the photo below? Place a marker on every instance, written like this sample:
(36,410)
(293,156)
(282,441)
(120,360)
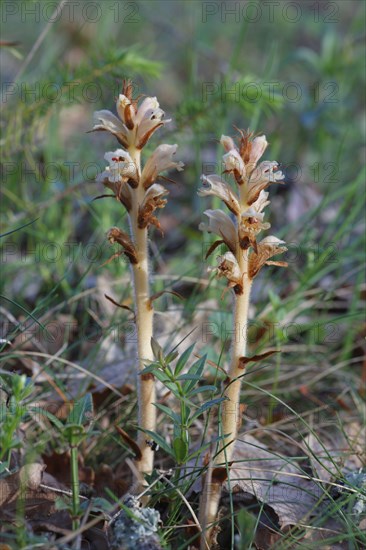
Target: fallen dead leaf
(337,450)
(274,480)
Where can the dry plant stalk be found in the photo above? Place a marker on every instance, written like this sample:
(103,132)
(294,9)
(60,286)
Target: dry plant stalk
(239,265)
(135,187)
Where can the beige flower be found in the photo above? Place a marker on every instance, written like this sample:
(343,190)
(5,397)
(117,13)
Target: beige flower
(135,124)
(241,163)
(149,118)
(261,202)
(120,176)
(126,110)
(221,225)
(266,248)
(234,164)
(160,160)
(252,222)
(261,177)
(214,185)
(105,121)
(257,148)
(121,166)
(228,143)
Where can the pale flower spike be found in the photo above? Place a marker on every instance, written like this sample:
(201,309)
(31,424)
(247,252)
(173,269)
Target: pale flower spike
(239,266)
(136,188)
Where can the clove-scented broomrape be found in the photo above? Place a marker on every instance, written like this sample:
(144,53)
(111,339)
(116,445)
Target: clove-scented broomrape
(239,265)
(135,187)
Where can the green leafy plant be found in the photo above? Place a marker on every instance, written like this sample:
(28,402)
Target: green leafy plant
(15,390)
(73,431)
(185,387)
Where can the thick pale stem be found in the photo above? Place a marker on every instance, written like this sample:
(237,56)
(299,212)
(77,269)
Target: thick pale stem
(230,407)
(144,325)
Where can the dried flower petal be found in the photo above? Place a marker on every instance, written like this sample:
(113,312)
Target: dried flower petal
(153,199)
(120,188)
(268,247)
(115,235)
(227,267)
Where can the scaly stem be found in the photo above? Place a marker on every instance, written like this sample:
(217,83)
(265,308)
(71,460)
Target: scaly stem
(144,324)
(230,407)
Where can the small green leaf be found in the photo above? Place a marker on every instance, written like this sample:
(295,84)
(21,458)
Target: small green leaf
(61,504)
(151,368)
(160,375)
(171,414)
(180,450)
(202,389)
(47,414)
(100,504)
(171,356)
(196,370)
(189,377)
(157,350)
(207,406)
(82,411)
(183,360)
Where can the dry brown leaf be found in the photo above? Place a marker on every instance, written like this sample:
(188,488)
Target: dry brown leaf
(35,488)
(273,480)
(337,450)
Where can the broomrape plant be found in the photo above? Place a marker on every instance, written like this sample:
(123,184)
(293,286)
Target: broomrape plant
(241,263)
(135,187)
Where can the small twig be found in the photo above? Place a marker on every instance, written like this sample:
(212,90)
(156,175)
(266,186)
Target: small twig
(151,485)
(61,491)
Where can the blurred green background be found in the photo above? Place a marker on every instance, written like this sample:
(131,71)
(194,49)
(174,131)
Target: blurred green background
(291,70)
